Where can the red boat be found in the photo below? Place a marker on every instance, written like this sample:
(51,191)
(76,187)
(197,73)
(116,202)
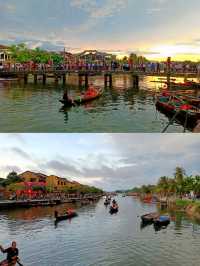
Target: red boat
(185,85)
(90,95)
(170,105)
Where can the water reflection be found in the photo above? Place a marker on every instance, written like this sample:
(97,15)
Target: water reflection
(97,238)
(121,108)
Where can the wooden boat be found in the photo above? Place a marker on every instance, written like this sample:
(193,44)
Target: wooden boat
(190,99)
(5,263)
(170,106)
(149,218)
(162,221)
(59,218)
(113,210)
(107,202)
(185,85)
(82,99)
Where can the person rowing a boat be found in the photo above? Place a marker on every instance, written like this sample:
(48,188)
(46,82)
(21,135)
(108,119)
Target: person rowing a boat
(12,255)
(70,211)
(91,91)
(66,98)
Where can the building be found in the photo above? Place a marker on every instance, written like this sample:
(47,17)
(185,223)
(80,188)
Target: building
(5,54)
(69,58)
(95,56)
(29,176)
(52,182)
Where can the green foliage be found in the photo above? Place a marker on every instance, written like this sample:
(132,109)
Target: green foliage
(180,184)
(182,203)
(11,179)
(57,59)
(39,188)
(21,54)
(15,187)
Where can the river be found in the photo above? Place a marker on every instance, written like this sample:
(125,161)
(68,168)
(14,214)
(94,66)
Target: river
(96,238)
(36,108)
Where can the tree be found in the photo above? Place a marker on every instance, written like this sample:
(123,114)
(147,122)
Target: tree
(179,174)
(57,59)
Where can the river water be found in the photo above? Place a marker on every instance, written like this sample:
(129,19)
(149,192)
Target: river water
(96,238)
(36,108)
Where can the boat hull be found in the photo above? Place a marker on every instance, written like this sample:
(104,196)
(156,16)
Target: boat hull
(113,210)
(65,217)
(170,111)
(81,100)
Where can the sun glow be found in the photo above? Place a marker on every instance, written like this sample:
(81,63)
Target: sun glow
(177,52)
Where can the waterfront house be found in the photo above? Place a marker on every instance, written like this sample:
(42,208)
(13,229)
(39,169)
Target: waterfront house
(29,176)
(95,56)
(4,54)
(52,182)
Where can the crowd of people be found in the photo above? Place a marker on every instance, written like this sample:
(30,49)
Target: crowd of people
(149,67)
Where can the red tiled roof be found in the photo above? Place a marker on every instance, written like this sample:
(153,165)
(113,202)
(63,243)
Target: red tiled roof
(4,47)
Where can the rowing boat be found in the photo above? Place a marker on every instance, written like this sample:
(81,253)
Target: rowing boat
(185,112)
(67,216)
(82,99)
(149,217)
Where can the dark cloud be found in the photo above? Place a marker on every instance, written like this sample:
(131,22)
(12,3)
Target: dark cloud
(10,168)
(21,153)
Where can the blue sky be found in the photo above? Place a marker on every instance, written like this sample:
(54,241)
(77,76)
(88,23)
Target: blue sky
(109,161)
(155,28)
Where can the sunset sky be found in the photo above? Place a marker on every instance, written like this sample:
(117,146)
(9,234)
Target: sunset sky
(154,28)
(109,161)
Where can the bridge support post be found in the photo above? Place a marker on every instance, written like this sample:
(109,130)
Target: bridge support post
(135,81)
(64,79)
(44,77)
(35,78)
(26,78)
(108,79)
(86,80)
(80,80)
(56,79)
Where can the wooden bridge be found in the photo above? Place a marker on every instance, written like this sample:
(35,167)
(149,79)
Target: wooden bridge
(83,75)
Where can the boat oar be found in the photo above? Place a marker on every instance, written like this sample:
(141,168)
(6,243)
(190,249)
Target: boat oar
(171,121)
(19,263)
(186,120)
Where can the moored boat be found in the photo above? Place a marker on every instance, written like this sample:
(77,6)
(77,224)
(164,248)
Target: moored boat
(82,98)
(67,216)
(162,221)
(185,112)
(106,202)
(149,217)
(185,85)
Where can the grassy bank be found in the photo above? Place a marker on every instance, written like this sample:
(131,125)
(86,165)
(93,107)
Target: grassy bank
(191,207)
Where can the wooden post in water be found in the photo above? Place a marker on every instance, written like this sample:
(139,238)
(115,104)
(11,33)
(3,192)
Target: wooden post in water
(25,78)
(135,81)
(35,78)
(168,72)
(64,79)
(105,79)
(44,77)
(56,79)
(80,79)
(108,79)
(86,80)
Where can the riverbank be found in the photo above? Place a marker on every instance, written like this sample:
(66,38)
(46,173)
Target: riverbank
(13,204)
(191,207)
